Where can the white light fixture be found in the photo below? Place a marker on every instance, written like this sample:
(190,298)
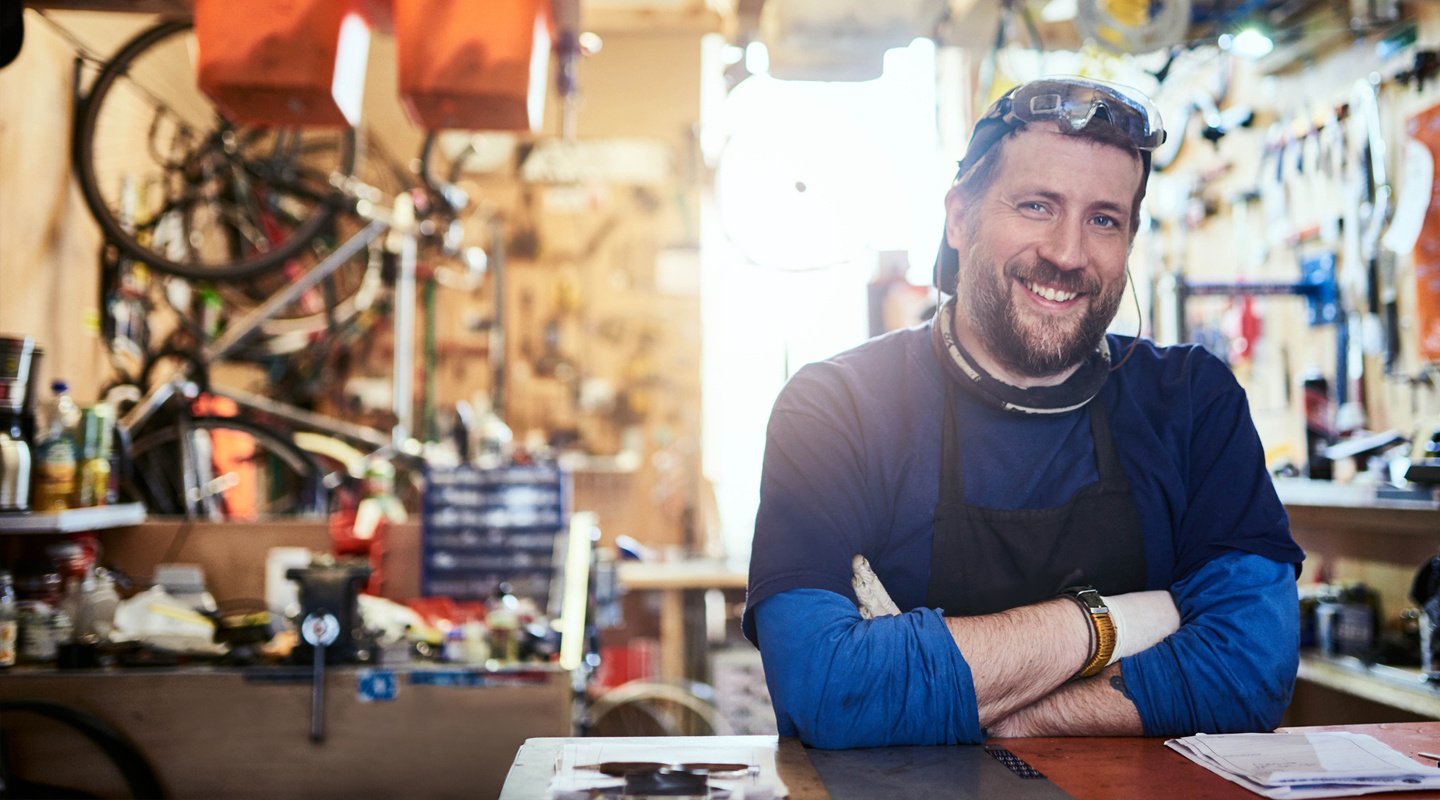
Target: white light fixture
(757,59)
(1249,43)
(1059,11)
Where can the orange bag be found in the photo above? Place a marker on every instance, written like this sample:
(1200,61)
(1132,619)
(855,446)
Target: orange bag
(474,64)
(283,62)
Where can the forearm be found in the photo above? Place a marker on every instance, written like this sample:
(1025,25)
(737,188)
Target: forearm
(1231,666)
(1011,675)
(1021,655)
(1095,706)
(837,681)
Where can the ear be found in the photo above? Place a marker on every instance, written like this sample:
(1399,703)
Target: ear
(955,219)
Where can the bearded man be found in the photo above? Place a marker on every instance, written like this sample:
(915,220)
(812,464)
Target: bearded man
(1007,522)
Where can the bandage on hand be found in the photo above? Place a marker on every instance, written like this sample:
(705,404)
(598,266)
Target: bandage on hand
(1142,620)
(870,594)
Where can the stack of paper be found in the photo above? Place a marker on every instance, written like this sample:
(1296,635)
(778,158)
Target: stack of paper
(1328,764)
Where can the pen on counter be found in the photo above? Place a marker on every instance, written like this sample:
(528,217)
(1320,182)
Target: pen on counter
(1430,756)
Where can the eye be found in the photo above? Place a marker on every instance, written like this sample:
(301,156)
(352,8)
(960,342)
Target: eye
(1033,205)
(1105,221)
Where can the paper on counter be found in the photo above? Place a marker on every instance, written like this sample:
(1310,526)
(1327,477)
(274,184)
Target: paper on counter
(1304,765)
(573,781)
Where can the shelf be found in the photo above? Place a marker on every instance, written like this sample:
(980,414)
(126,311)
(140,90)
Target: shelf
(1356,509)
(75,520)
(1397,687)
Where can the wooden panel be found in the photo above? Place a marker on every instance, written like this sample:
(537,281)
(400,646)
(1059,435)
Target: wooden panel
(217,734)
(233,554)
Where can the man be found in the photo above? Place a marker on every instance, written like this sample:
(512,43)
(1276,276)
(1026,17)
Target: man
(1077,529)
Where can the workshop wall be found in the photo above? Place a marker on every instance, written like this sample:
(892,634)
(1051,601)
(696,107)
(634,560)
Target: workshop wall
(601,312)
(1222,215)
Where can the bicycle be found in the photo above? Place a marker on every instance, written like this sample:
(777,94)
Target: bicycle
(216,200)
(281,231)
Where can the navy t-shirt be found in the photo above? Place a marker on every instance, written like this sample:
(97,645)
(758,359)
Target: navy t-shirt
(853,449)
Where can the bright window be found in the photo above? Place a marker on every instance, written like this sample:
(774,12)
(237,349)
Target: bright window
(812,180)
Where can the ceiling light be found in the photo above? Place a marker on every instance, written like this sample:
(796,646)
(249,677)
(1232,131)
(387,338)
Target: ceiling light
(1059,11)
(1248,43)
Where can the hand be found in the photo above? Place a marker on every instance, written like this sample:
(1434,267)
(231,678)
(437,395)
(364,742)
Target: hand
(870,594)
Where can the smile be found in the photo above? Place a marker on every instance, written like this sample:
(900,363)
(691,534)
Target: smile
(1051,294)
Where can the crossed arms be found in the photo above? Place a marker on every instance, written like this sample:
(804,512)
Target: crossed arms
(837,680)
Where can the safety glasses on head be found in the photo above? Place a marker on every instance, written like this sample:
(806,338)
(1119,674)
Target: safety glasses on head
(1074,102)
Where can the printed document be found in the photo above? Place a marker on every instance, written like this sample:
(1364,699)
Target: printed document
(1301,765)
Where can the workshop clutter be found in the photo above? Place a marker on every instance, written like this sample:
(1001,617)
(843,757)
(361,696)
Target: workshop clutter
(61,608)
(1345,618)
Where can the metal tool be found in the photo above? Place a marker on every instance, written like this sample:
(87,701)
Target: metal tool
(320,630)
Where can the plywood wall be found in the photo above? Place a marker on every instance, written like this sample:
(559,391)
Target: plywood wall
(583,265)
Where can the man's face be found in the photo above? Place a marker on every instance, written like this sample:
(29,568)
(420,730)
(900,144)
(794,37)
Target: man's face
(1042,254)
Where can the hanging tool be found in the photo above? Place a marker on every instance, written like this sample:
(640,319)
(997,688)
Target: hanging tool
(1371,199)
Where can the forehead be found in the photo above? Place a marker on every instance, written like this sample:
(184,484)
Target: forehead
(1042,158)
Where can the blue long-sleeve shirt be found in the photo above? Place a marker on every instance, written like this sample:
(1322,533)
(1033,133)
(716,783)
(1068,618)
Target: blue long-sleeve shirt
(852,466)
(838,681)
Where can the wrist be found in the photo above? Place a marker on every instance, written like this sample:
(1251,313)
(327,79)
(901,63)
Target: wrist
(1101,626)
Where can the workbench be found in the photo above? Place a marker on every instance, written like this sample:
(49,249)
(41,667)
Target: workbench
(218,732)
(1088,768)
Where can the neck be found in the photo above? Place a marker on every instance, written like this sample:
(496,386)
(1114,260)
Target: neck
(961,367)
(973,345)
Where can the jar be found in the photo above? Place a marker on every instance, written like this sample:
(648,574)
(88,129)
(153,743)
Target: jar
(42,630)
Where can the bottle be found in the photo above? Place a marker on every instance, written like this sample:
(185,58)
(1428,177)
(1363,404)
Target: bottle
(92,476)
(54,456)
(15,466)
(9,621)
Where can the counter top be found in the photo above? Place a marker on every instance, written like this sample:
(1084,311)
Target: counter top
(1087,768)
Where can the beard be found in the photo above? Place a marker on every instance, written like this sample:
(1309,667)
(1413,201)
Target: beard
(1033,344)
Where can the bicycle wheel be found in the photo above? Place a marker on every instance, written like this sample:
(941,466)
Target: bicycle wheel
(223,468)
(178,186)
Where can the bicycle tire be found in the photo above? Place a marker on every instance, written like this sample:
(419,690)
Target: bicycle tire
(318,198)
(293,479)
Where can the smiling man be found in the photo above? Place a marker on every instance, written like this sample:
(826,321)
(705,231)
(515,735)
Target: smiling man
(1007,522)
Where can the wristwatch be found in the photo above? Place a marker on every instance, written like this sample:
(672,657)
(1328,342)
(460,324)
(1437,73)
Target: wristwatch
(1104,626)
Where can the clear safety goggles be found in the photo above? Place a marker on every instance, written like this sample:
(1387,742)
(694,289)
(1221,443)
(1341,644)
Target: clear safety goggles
(1072,104)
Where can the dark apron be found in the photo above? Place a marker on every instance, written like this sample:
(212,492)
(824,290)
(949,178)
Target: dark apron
(985,560)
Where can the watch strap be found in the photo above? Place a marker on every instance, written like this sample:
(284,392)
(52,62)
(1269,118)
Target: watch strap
(1102,625)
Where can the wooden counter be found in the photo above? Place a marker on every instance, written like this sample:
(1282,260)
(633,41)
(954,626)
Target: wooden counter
(245,733)
(1143,769)
(672,579)
(1095,768)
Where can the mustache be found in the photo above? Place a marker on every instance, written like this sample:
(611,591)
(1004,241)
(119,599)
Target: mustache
(1045,272)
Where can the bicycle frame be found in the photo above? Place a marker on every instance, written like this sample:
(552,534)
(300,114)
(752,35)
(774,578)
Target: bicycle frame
(400,225)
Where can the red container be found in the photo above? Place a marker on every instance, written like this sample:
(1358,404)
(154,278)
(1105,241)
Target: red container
(473,64)
(283,62)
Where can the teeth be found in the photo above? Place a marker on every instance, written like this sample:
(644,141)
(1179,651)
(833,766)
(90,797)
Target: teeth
(1054,295)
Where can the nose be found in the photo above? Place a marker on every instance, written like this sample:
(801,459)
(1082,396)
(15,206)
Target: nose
(1065,246)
